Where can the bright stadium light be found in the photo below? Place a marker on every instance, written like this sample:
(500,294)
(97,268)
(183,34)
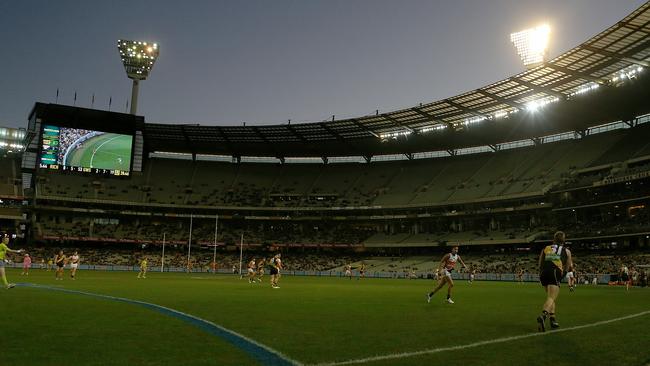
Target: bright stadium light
(138,58)
(532,45)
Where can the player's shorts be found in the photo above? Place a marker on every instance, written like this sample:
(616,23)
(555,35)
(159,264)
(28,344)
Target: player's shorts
(348,273)
(251,271)
(274,271)
(60,265)
(625,277)
(550,276)
(74,265)
(446,272)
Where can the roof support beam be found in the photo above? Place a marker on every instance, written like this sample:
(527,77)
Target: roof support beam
(501,99)
(189,143)
(538,88)
(361,126)
(259,134)
(634,27)
(331,131)
(225,137)
(615,55)
(578,74)
(638,48)
(465,109)
(295,133)
(398,123)
(430,117)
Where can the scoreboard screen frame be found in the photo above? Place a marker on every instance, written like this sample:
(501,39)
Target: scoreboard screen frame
(45,145)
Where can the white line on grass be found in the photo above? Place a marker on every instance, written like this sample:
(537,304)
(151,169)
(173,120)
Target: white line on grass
(99,147)
(394,356)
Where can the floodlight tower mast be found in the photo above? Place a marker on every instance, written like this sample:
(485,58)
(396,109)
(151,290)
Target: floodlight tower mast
(138,58)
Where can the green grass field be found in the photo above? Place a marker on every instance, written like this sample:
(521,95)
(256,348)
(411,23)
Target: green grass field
(106,151)
(314,320)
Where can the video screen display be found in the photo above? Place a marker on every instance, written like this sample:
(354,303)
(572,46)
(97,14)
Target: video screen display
(86,151)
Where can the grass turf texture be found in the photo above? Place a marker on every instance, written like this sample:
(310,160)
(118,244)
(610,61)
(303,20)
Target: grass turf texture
(312,320)
(102,152)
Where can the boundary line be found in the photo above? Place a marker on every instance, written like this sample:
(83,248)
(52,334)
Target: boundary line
(394,356)
(262,353)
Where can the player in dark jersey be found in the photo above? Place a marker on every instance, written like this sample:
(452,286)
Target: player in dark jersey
(624,276)
(554,260)
(60,260)
(362,271)
(260,269)
(275,265)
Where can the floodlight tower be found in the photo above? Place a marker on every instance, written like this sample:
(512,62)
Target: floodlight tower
(532,45)
(138,58)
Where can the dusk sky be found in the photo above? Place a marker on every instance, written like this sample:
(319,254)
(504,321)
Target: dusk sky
(264,62)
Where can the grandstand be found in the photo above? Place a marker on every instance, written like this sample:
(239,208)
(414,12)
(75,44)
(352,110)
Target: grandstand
(504,164)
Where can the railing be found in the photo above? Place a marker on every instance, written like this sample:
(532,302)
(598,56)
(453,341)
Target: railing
(507,277)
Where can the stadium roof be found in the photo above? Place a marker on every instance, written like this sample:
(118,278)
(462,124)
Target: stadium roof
(605,79)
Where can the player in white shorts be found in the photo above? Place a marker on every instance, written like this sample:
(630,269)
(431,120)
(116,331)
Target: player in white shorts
(251,271)
(348,271)
(74,264)
(447,265)
(571,280)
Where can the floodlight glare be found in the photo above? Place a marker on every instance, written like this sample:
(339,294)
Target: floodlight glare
(138,59)
(532,44)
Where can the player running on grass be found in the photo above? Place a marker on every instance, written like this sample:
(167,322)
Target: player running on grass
(4,249)
(251,271)
(60,261)
(348,271)
(624,275)
(553,261)
(571,279)
(260,269)
(276,265)
(74,264)
(362,271)
(472,275)
(446,266)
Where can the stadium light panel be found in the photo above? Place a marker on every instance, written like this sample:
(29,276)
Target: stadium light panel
(532,44)
(137,57)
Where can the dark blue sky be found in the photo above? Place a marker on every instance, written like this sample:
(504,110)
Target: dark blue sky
(263,62)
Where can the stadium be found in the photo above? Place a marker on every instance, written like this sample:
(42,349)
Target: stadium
(496,171)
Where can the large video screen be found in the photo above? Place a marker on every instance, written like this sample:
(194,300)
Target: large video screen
(86,151)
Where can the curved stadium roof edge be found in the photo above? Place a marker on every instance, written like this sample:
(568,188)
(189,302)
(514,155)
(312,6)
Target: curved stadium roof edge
(604,79)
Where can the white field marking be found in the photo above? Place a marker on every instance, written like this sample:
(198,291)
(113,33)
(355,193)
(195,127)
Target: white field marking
(99,147)
(394,356)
